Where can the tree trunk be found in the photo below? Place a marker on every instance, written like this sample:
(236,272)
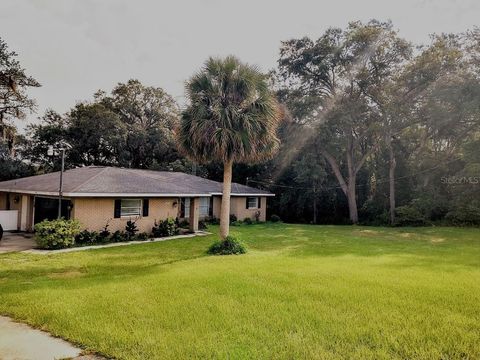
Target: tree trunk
(314,204)
(351,188)
(225,209)
(391,179)
(347,188)
(352,201)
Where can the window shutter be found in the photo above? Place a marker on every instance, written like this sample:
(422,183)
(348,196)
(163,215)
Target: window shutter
(182,208)
(210,207)
(246,203)
(259,202)
(145,208)
(117,212)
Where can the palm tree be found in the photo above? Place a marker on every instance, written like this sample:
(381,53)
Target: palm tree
(232,117)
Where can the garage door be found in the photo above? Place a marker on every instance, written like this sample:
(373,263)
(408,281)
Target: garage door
(47,209)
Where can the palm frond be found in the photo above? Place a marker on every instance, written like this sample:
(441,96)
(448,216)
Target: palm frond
(232,114)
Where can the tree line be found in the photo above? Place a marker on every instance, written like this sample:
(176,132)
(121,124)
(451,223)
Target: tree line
(375,129)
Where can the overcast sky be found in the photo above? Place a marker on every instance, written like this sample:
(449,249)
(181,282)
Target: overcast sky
(75,47)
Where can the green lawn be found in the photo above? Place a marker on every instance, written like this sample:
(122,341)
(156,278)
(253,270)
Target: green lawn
(301,292)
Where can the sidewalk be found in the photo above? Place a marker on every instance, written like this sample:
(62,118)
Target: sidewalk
(109,245)
(21,342)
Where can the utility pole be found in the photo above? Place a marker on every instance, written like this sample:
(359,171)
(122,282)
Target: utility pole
(60,189)
(51,152)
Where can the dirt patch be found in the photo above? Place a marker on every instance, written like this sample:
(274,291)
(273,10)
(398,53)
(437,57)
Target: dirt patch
(437,240)
(407,235)
(366,233)
(373,232)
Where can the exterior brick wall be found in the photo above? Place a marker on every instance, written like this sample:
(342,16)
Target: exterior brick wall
(238,207)
(217,204)
(93,213)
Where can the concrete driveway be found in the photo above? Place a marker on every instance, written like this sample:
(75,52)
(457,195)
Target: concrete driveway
(16,242)
(21,342)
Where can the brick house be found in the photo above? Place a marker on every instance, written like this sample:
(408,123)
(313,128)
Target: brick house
(95,195)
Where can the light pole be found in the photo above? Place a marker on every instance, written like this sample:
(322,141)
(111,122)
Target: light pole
(51,152)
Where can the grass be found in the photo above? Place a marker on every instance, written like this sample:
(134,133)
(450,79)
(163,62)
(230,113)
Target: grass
(317,292)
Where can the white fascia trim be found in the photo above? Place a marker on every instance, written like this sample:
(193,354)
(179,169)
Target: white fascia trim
(112,195)
(246,194)
(17,191)
(135,195)
(116,195)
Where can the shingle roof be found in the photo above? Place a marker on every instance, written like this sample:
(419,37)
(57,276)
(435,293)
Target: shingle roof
(111,181)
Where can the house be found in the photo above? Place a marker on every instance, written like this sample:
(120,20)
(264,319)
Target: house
(95,195)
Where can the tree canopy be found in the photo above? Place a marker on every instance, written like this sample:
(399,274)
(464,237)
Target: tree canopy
(232,116)
(376,130)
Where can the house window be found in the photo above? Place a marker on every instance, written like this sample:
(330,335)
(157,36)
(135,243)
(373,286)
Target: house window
(186,207)
(252,203)
(203,207)
(131,207)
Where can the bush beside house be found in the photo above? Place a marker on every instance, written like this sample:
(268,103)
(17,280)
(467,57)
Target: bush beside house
(60,234)
(56,234)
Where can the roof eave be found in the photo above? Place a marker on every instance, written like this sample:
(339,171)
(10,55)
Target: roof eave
(113,195)
(244,194)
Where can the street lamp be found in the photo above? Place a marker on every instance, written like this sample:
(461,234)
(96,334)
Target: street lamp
(51,152)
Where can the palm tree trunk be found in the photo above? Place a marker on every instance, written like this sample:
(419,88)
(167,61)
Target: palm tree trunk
(225,209)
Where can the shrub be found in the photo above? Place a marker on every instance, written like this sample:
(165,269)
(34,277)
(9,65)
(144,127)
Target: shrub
(229,246)
(433,208)
(247,221)
(233,218)
(164,228)
(275,218)
(131,229)
(143,236)
(213,221)
(118,236)
(202,225)
(464,216)
(104,234)
(85,238)
(409,216)
(56,234)
(184,224)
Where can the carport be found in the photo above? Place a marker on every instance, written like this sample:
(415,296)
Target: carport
(9,220)
(46,208)
(16,242)
(16,211)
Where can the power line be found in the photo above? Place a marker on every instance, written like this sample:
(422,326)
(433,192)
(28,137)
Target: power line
(380,181)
